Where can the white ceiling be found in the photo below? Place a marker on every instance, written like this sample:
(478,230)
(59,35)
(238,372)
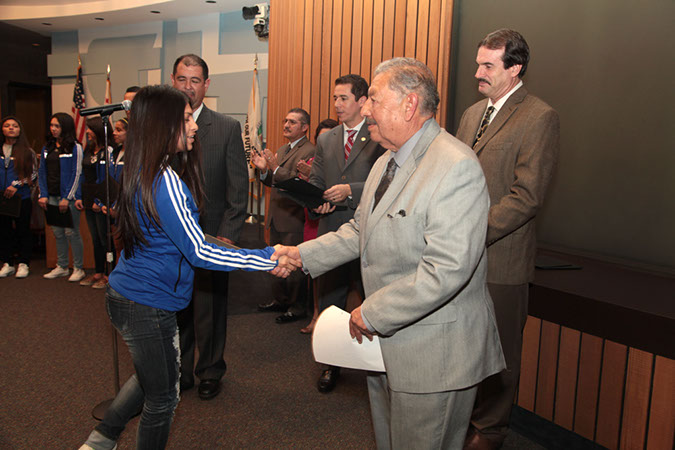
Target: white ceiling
(68,15)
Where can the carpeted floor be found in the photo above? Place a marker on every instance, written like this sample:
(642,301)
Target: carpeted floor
(56,365)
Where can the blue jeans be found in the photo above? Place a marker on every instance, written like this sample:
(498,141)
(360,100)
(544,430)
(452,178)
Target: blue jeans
(64,236)
(152,337)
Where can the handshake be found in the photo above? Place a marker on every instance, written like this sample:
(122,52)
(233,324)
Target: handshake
(288,258)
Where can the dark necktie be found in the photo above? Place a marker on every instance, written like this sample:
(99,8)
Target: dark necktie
(350,143)
(484,124)
(385,181)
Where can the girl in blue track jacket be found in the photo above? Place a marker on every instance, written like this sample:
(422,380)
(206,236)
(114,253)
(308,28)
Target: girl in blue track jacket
(158,222)
(59,181)
(18,171)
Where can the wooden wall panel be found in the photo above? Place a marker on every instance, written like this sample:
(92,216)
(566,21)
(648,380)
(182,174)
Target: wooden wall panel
(548,367)
(662,411)
(528,368)
(566,385)
(611,394)
(357,33)
(636,402)
(588,385)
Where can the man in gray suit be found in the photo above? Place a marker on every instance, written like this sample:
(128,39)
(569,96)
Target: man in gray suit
(420,233)
(516,137)
(226,189)
(286,218)
(344,157)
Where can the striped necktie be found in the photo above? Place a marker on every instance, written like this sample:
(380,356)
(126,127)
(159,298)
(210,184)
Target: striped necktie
(350,143)
(385,181)
(483,125)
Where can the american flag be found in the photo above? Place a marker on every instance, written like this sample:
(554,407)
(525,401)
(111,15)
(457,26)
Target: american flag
(78,104)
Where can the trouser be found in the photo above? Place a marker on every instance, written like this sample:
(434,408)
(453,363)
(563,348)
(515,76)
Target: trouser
(152,337)
(496,394)
(65,236)
(15,235)
(204,323)
(437,420)
(291,291)
(98,228)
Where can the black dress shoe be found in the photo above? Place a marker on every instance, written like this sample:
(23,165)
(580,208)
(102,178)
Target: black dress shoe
(272,307)
(208,389)
(328,379)
(289,317)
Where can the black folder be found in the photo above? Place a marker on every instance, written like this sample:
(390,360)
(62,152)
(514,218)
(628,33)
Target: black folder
(56,218)
(304,193)
(10,206)
(219,242)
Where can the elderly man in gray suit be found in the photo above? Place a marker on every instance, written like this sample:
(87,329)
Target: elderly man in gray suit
(344,157)
(516,137)
(226,189)
(420,232)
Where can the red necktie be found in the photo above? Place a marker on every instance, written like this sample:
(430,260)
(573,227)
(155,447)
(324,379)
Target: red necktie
(350,143)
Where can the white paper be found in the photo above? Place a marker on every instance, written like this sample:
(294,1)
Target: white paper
(333,345)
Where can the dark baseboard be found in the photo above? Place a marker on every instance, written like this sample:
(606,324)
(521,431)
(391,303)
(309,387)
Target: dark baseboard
(548,434)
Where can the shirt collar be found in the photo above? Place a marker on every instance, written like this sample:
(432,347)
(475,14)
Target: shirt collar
(401,156)
(294,143)
(503,100)
(196,112)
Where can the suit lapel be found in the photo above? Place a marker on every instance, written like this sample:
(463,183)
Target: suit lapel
(401,178)
(501,118)
(287,151)
(360,141)
(337,140)
(204,123)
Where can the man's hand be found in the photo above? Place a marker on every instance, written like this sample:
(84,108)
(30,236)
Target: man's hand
(229,241)
(271,159)
(43,203)
(358,328)
(337,193)
(293,259)
(304,168)
(10,191)
(258,160)
(326,208)
(63,205)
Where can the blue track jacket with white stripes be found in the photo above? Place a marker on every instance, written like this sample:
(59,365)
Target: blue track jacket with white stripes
(161,273)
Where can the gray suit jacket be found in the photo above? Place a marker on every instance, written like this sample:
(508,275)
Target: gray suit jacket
(423,264)
(329,168)
(225,174)
(287,215)
(518,153)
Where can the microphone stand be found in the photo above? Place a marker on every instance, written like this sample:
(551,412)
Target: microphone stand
(100,409)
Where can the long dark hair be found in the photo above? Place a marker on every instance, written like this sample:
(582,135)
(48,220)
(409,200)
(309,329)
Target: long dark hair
(95,124)
(156,124)
(23,155)
(67,137)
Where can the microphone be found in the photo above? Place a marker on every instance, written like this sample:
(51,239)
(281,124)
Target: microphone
(106,110)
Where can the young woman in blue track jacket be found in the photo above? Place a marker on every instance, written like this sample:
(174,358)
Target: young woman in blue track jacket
(157,218)
(59,181)
(18,171)
(93,194)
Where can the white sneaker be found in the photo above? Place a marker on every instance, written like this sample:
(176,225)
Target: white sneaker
(77,275)
(57,272)
(6,270)
(22,271)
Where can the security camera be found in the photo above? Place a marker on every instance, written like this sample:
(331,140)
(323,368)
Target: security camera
(260,14)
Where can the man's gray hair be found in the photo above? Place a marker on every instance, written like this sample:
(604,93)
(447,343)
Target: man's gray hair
(409,75)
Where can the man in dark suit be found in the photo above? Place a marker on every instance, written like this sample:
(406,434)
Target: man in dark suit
(516,137)
(419,232)
(344,157)
(226,189)
(286,218)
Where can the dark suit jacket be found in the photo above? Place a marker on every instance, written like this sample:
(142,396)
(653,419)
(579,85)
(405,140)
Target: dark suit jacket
(518,153)
(329,168)
(284,213)
(225,174)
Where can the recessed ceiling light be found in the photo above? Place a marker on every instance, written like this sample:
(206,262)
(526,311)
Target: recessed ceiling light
(99,18)
(210,1)
(155,12)
(47,23)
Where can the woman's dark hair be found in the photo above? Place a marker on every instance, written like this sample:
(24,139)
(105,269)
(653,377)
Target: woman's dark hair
(67,138)
(156,124)
(23,155)
(325,123)
(96,125)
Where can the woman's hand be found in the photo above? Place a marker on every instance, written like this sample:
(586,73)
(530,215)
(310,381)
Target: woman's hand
(63,205)
(79,205)
(96,208)
(10,191)
(43,203)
